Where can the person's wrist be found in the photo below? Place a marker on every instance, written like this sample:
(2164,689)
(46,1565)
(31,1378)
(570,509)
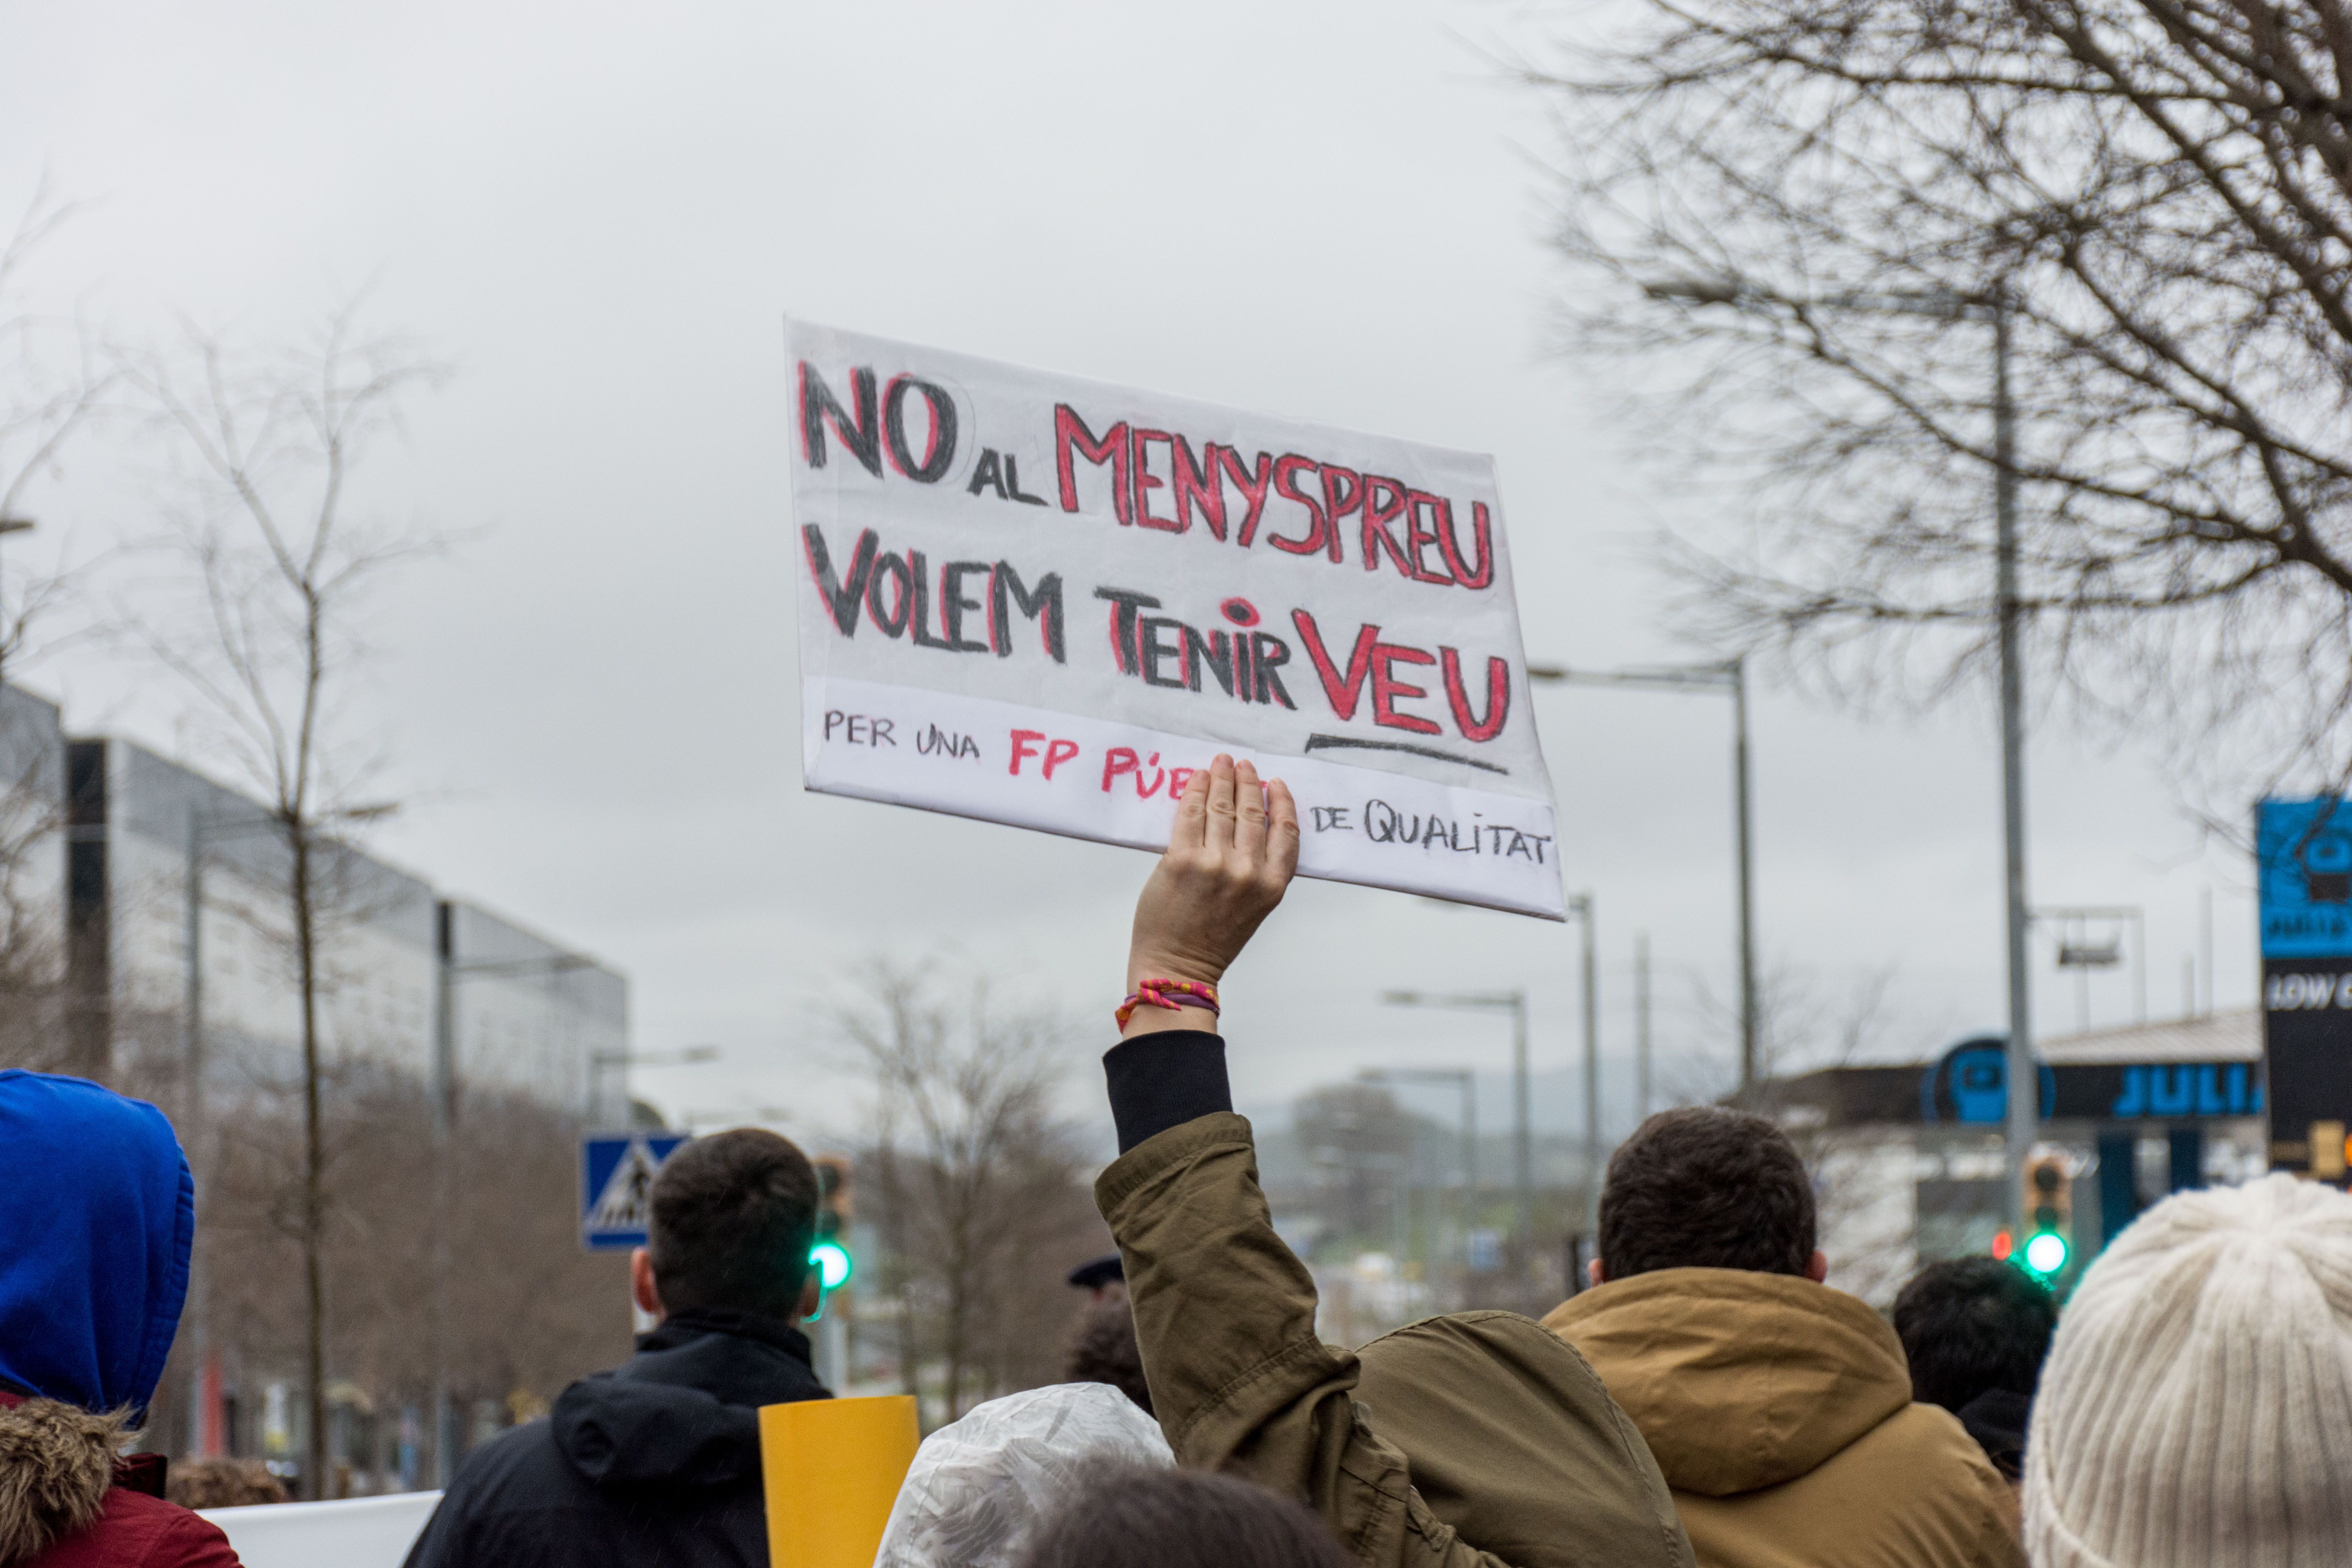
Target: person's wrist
(1150,1018)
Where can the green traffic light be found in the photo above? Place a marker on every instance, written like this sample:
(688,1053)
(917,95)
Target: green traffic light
(2046,1253)
(832,1262)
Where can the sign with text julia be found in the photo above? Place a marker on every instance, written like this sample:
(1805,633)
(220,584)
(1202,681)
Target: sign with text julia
(1047,602)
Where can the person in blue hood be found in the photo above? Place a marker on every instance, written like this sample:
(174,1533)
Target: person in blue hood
(97,1223)
(657,1461)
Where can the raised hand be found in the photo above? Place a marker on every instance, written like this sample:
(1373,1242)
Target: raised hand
(1229,860)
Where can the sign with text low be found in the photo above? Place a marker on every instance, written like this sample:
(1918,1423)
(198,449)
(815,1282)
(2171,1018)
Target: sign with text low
(2302,866)
(1047,602)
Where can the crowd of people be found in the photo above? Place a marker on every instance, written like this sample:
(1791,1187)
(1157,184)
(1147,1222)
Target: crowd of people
(1708,1399)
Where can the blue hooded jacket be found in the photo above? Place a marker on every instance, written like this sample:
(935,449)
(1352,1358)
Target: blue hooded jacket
(98,1212)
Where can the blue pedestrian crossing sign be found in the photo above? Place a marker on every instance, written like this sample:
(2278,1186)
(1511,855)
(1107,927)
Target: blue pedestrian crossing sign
(616,1185)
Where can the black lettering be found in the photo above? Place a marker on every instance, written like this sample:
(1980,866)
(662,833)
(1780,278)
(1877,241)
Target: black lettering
(987,471)
(1124,604)
(1213,650)
(920,620)
(894,624)
(1267,651)
(1154,652)
(840,598)
(1005,583)
(859,434)
(939,456)
(952,604)
(1380,822)
(1013,482)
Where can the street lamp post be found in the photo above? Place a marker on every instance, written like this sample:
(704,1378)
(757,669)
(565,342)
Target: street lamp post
(1579,909)
(1992,306)
(1515,1003)
(1730,677)
(448,971)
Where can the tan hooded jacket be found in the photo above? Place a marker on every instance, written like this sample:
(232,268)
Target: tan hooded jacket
(1781,1412)
(1470,1441)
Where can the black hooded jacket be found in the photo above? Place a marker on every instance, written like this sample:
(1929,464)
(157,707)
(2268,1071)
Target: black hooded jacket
(654,1464)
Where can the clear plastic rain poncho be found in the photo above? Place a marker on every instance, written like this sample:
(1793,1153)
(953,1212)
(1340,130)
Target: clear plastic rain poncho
(979,1486)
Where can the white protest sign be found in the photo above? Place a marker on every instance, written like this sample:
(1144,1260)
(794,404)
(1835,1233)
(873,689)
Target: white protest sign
(1044,600)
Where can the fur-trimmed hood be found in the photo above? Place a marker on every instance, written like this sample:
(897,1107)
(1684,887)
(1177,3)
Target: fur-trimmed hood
(56,1465)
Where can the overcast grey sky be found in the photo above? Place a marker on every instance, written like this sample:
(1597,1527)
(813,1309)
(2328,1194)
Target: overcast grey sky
(602,214)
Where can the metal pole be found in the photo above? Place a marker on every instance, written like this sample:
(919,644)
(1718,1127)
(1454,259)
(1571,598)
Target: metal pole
(1591,988)
(198,1327)
(2024,1081)
(2205,947)
(1748,1029)
(1641,1026)
(445,1089)
(1523,1225)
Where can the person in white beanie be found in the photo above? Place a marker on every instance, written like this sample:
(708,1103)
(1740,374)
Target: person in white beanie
(2197,1405)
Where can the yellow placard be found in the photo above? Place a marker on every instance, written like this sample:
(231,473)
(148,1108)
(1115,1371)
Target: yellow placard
(833,1467)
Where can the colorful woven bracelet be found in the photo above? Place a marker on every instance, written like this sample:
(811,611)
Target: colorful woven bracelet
(1158,991)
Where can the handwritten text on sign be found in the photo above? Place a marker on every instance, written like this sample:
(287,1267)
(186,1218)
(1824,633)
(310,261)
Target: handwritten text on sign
(1014,584)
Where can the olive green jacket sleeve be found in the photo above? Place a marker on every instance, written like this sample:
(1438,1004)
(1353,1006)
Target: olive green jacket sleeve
(1224,1314)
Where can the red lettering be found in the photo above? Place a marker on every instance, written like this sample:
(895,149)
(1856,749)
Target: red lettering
(1452,548)
(1387,689)
(1196,486)
(1498,697)
(1418,539)
(1024,744)
(1057,753)
(1343,691)
(1383,504)
(1253,486)
(1177,779)
(1072,439)
(1343,493)
(1286,475)
(1146,481)
(1117,761)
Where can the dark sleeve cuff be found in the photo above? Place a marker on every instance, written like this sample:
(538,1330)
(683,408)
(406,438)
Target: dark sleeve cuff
(1163,1080)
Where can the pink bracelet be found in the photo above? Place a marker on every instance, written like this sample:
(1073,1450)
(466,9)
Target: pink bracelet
(1158,991)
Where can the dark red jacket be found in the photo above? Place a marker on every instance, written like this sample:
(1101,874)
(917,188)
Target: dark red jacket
(75,1504)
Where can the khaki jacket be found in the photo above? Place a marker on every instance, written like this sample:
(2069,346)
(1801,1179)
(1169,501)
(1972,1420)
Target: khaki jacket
(1473,1441)
(1781,1412)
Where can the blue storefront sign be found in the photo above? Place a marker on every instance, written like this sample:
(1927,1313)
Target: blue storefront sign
(1969,1085)
(2303,865)
(2303,854)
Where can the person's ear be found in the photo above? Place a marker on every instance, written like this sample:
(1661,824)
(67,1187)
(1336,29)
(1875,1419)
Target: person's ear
(811,1296)
(1594,1272)
(1817,1268)
(641,1284)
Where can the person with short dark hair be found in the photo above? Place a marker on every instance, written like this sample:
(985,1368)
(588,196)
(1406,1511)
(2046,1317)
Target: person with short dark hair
(223,1483)
(658,1461)
(1781,1410)
(1103,1350)
(1128,1517)
(1976,1331)
(1472,1440)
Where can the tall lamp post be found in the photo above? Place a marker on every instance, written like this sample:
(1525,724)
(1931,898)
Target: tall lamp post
(1729,677)
(1515,1003)
(1992,306)
(448,970)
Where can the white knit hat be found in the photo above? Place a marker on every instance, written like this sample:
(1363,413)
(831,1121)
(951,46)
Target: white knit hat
(2197,1405)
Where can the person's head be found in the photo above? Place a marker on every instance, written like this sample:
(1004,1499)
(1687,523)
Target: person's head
(1104,1350)
(734,1215)
(1703,1187)
(1970,1325)
(1126,1518)
(2197,1403)
(95,1231)
(222,1483)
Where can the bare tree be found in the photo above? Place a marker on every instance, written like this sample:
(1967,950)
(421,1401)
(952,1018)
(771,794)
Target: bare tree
(1813,209)
(975,1185)
(272,566)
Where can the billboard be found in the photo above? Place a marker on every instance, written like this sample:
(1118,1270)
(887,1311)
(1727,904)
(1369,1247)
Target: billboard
(2303,854)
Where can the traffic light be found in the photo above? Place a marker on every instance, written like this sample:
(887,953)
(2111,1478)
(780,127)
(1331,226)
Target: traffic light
(2049,1215)
(830,1254)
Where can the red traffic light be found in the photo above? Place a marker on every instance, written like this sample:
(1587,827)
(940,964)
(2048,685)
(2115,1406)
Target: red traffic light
(2001,1245)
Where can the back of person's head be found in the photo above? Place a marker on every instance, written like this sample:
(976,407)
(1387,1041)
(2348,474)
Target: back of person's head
(222,1483)
(733,1217)
(2197,1404)
(1123,1518)
(95,1229)
(1704,1187)
(1971,1325)
(1103,1350)
(980,1486)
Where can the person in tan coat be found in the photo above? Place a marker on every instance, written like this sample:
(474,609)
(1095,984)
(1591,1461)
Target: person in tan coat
(1476,1440)
(1778,1409)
